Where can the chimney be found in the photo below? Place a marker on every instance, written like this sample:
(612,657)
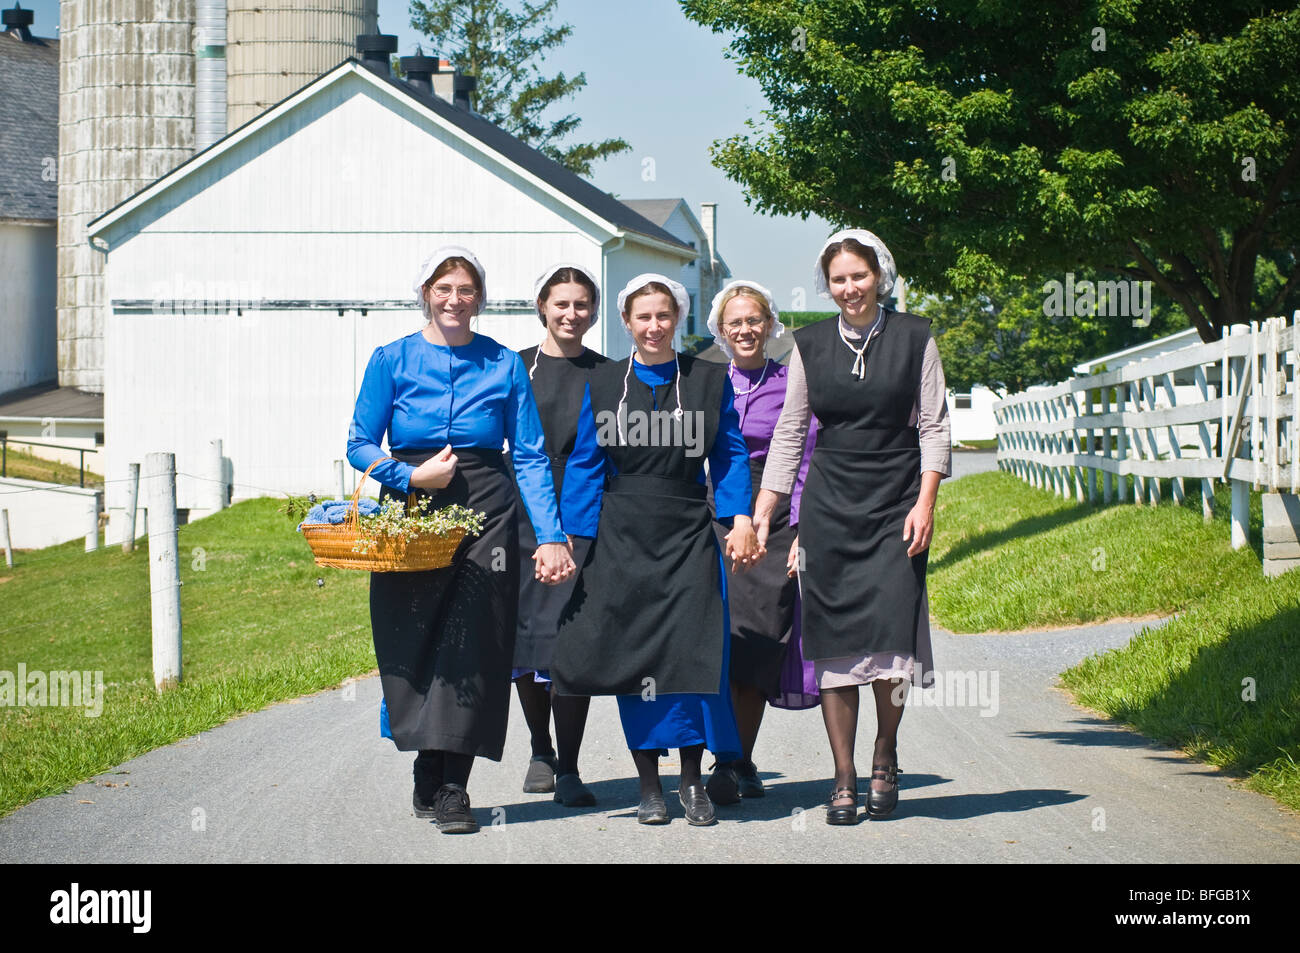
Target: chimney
(419,70)
(462,86)
(18,20)
(709,282)
(375,50)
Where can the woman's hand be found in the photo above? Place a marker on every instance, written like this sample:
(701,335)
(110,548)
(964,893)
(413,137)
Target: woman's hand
(742,544)
(436,472)
(792,561)
(764,507)
(553,563)
(919,525)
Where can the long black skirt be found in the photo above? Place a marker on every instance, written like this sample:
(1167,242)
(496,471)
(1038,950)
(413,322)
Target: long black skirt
(761,603)
(444,638)
(861,591)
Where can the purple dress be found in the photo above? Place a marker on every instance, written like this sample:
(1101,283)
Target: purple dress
(764,601)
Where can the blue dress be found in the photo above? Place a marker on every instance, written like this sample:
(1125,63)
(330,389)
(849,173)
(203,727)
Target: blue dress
(680,719)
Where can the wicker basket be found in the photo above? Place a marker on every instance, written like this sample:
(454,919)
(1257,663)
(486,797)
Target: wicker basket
(332,543)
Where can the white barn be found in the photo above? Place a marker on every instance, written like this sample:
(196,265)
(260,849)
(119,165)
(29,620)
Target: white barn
(246,289)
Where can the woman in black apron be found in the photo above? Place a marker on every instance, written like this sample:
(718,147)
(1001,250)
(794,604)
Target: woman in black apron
(647,620)
(568,302)
(761,602)
(444,639)
(867,512)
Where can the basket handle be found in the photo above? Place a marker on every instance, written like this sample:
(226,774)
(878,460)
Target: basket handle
(353,516)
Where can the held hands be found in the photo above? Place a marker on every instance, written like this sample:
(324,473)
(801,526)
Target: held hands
(764,506)
(436,472)
(553,563)
(742,544)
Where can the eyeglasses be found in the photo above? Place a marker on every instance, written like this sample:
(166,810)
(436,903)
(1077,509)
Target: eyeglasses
(443,292)
(734,326)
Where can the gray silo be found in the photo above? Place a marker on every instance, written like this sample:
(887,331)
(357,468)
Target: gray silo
(126,117)
(274,47)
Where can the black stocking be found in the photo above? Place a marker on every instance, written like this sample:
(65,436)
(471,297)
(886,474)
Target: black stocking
(691,758)
(535,700)
(456,768)
(840,713)
(647,770)
(570,723)
(890,698)
(749,703)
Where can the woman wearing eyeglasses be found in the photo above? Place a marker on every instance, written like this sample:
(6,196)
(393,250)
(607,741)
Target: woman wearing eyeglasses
(762,602)
(444,639)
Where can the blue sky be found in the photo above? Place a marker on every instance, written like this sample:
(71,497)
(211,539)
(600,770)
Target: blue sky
(661,83)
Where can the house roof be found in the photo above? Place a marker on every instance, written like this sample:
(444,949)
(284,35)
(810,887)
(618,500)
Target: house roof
(29,128)
(50,400)
(577,190)
(658,211)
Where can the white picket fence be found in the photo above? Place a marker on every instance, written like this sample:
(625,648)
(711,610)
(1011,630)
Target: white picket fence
(1223,411)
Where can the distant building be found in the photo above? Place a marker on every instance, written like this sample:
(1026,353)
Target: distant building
(703,277)
(247,288)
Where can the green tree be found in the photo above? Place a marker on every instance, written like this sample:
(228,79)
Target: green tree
(500,44)
(981,139)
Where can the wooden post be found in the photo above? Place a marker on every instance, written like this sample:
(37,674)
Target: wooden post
(4,531)
(132,501)
(1107,478)
(338,473)
(1240,514)
(1203,431)
(164,569)
(92,524)
(214,477)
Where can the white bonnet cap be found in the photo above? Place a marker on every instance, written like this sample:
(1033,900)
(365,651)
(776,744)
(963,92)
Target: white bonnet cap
(680,294)
(550,273)
(437,258)
(888,270)
(715,313)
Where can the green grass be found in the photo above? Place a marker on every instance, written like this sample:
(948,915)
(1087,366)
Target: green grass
(797,319)
(991,444)
(257,629)
(1007,556)
(23,465)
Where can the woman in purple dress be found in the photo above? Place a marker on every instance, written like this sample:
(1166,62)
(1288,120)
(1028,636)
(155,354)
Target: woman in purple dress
(762,602)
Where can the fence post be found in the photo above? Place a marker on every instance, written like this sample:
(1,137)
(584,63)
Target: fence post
(4,530)
(132,501)
(338,474)
(164,569)
(92,525)
(214,474)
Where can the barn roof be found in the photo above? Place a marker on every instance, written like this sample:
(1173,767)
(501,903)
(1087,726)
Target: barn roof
(541,168)
(29,127)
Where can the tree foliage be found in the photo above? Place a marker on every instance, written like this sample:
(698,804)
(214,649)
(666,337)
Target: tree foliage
(500,44)
(984,138)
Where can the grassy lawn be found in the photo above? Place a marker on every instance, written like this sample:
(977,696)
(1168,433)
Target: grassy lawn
(257,629)
(1007,557)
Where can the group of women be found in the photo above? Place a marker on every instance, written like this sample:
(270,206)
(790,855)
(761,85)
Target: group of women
(618,559)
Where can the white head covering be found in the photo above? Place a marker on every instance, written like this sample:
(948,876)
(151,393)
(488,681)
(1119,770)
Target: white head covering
(550,273)
(680,295)
(888,270)
(715,313)
(437,258)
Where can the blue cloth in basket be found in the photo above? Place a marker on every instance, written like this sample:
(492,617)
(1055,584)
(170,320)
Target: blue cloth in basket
(335,511)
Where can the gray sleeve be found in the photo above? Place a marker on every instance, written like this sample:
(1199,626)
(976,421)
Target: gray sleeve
(932,414)
(786,450)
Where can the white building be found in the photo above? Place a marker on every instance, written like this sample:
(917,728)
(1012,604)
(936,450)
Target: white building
(703,277)
(247,288)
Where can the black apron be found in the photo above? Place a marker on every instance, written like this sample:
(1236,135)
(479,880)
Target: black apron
(648,603)
(762,602)
(861,593)
(444,638)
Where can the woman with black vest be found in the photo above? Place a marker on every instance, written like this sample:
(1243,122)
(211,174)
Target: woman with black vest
(568,302)
(867,511)
(648,619)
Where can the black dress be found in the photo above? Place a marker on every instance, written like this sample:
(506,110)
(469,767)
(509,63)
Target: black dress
(558,387)
(861,592)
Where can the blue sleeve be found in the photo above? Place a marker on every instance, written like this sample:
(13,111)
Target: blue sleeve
(584,476)
(371,420)
(528,453)
(729,463)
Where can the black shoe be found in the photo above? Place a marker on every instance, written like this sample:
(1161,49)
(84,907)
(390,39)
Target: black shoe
(652,810)
(540,777)
(724,784)
(427,783)
(451,808)
(845,814)
(882,803)
(571,792)
(750,785)
(699,809)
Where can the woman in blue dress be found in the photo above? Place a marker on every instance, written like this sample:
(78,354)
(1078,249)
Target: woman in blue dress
(647,620)
(447,399)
